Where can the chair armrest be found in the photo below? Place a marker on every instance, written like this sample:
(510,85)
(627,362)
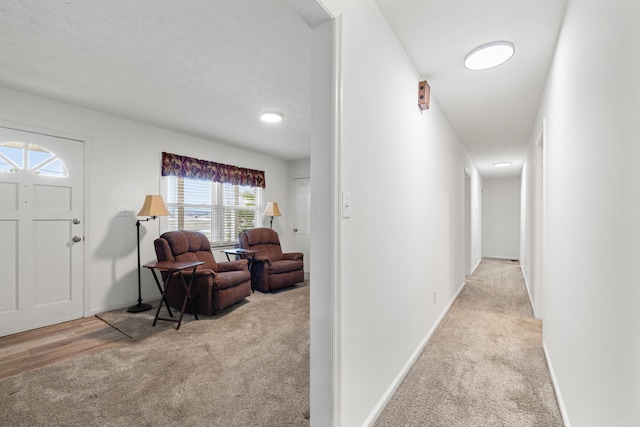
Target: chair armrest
(187,274)
(239,264)
(199,273)
(293,256)
(262,259)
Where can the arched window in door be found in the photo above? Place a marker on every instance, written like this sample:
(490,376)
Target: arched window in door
(17,157)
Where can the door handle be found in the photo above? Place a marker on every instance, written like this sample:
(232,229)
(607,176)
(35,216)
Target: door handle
(295,230)
(77,239)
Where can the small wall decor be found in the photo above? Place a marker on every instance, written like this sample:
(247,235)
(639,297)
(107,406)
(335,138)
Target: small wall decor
(424,91)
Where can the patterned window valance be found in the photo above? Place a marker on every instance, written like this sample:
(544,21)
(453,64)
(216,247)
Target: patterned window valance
(189,167)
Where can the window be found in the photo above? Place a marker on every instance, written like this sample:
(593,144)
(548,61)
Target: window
(220,210)
(15,155)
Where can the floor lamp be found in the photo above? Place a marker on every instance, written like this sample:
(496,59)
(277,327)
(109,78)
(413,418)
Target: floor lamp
(153,207)
(271,210)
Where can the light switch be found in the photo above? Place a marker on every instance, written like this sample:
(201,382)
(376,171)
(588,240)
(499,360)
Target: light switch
(346,204)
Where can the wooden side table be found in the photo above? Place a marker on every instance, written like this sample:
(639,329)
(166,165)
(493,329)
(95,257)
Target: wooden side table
(171,268)
(240,253)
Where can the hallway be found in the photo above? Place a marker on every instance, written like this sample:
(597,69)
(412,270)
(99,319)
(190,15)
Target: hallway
(484,365)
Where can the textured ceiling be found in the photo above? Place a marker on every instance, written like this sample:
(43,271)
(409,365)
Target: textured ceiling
(200,67)
(492,111)
(209,68)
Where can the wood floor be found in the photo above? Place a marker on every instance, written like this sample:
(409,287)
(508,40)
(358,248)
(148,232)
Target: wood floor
(40,347)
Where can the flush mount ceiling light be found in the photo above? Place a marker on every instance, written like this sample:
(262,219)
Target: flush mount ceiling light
(489,55)
(502,164)
(271,117)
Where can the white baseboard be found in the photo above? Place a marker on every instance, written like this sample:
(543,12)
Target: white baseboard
(476,266)
(526,284)
(377,410)
(556,387)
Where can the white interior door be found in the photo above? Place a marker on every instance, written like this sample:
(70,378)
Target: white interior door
(41,224)
(302,219)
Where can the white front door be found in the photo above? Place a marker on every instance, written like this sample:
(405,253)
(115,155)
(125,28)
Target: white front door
(302,218)
(41,228)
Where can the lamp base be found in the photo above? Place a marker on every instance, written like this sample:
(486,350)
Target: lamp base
(138,308)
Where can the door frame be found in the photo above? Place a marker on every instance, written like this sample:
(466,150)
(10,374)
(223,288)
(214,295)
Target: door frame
(539,221)
(86,145)
(467,223)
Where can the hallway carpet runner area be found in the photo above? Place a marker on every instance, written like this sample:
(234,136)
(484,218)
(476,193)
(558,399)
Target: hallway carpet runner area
(485,365)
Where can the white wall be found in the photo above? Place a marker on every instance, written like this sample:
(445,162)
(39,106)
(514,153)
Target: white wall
(404,240)
(122,166)
(531,223)
(501,218)
(299,169)
(591,260)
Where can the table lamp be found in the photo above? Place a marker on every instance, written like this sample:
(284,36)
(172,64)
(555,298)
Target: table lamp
(271,210)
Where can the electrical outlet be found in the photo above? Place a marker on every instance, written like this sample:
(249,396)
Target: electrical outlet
(435,297)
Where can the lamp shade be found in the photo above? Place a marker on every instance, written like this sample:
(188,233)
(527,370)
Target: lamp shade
(153,206)
(271,209)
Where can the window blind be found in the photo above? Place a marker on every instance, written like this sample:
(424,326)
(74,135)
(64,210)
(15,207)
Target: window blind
(219,210)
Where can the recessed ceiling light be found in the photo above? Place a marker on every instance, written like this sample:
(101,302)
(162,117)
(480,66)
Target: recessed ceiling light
(502,164)
(489,55)
(271,117)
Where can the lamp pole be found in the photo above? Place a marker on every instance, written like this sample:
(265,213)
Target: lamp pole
(140,307)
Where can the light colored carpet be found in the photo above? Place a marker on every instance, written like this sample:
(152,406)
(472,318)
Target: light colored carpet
(484,365)
(248,366)
(138,326)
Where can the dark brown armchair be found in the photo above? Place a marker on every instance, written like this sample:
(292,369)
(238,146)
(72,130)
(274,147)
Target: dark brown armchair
(216,285)
(271,269)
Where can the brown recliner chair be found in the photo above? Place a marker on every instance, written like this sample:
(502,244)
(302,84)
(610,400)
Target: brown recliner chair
(215,286)
(271,269)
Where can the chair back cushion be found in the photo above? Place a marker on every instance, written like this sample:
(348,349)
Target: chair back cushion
(264,240)
(185,245)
